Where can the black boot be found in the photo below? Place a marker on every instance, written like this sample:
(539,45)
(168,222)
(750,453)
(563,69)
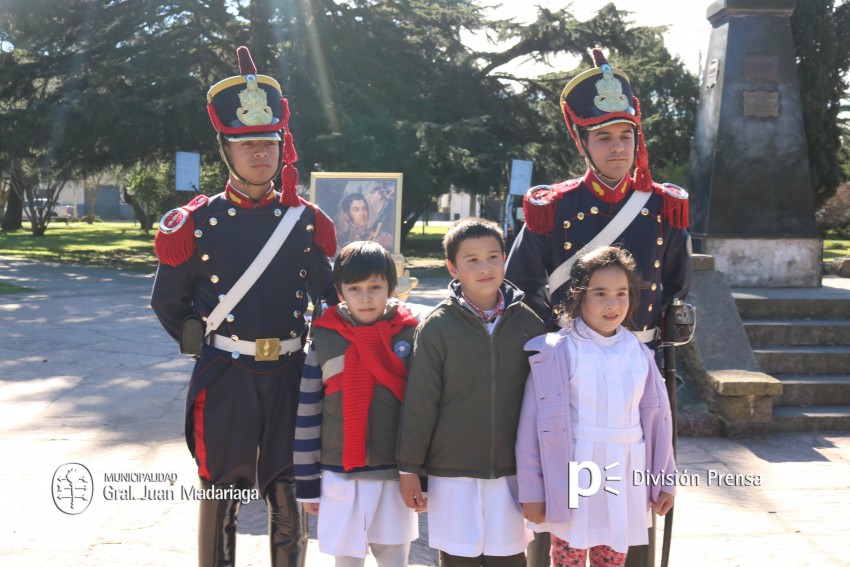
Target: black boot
(217,531)
(287,525)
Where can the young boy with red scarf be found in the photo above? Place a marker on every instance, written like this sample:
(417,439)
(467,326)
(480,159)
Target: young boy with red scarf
(351,392)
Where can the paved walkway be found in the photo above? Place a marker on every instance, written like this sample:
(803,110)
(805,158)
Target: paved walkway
(88,376)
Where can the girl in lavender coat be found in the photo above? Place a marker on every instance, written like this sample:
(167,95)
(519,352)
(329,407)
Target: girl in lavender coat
(595,420)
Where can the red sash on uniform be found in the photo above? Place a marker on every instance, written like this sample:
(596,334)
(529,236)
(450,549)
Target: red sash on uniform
(369,361)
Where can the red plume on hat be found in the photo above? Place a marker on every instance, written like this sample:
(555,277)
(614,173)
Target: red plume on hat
(598,57)
(246,62)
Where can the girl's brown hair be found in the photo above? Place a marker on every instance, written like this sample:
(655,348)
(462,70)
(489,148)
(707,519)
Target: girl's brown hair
(583,270)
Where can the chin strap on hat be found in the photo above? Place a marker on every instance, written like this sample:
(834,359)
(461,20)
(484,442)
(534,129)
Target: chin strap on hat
(226,159)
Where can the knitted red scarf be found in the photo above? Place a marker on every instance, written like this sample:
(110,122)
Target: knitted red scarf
(369,361)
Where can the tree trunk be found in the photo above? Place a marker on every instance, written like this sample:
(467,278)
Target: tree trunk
(91,197)
(12,220)
(145,220)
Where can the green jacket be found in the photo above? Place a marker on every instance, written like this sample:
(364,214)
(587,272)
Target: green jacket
(464,390)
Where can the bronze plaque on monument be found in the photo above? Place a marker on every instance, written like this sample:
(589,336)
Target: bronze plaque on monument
(711,74)
(761,69)
(761,104)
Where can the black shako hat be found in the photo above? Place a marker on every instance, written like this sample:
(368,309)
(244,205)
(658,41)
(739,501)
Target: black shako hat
(248,106)
(252,107)
(598,97)
(602,96)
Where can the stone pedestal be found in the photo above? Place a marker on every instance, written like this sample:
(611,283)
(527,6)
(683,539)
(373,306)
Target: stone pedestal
(720,360)
(752,203)
(767,262)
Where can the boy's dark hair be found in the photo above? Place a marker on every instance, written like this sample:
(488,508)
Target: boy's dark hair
(597,259)
(345,204)
(360,260)
(470,227)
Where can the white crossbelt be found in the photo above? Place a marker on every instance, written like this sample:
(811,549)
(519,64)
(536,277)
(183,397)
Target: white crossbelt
(255,270)
(646,336)
(606,236)
(223,342)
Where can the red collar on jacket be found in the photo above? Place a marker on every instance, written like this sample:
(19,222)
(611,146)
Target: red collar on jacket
(243,201)
(600,189)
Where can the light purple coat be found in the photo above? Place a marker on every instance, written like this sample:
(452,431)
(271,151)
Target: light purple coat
(545,442)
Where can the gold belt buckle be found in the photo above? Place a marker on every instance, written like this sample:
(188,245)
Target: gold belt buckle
(266,349)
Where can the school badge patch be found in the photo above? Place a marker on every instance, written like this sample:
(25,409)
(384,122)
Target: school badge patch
(402,349)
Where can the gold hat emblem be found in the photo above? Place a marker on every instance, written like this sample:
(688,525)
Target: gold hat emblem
(255,109)
(610,97)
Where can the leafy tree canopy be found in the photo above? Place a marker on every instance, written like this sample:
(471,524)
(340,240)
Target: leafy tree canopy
(374,86)
(822,44)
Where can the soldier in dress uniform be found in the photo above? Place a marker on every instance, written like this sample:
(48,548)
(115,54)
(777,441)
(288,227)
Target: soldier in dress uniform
(243,394)
(603,118)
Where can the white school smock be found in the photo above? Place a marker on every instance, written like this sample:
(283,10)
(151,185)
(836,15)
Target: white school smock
(474,516)
(607,377)
(354,513)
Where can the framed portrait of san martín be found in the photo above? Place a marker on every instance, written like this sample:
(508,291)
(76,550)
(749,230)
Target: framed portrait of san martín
(363,206)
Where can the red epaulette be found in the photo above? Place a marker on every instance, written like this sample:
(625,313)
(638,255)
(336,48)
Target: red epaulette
(324,233)
(175,241)
(540,202)
(675,209)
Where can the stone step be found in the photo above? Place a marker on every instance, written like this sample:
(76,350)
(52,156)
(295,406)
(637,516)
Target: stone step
(820,418)
(813,390)
(791,307)
(803,359)
(790,332)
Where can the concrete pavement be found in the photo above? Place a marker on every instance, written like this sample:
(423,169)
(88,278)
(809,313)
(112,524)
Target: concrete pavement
(88,376)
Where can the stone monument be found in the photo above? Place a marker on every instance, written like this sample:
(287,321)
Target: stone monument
(752,203)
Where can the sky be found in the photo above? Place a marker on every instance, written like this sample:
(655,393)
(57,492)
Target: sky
(686,37)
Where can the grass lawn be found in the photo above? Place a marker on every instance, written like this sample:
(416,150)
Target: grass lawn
(429,232)
(123,245)
(8,288)
(107,244)
(835,249)
(423,251)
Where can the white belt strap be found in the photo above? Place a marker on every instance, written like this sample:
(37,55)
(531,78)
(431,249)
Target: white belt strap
(248,348)
(255,270)
(606,236)
(646,336)
(607,434)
